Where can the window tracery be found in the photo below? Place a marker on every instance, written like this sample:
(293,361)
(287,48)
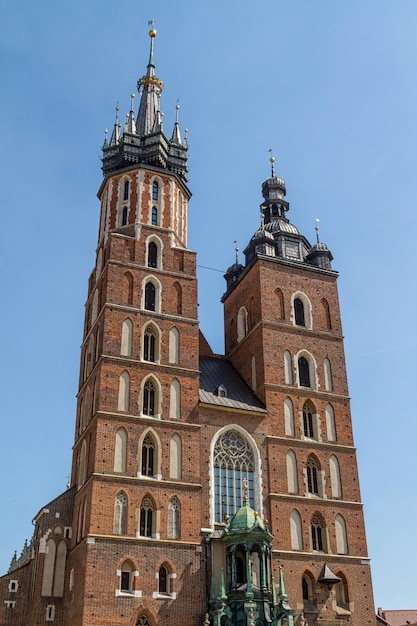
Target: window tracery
(233,465)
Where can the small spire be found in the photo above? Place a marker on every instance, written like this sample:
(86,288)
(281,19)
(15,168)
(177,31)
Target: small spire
(176,135)
(115,136)
(185,144)
(130,118)
(272,161)
(13,562)
(236,252)
(150,87)
(316,228)
(245,491)
(282,593)
(106,143)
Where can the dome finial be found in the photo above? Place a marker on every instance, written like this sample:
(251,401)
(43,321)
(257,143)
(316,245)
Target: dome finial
(245,490)
(272,161)
(316,228)
(236,251)
(152,32)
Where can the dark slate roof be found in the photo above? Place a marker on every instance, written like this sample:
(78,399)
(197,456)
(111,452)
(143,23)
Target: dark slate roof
(216,371)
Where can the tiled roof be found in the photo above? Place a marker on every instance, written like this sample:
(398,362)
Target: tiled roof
(216,372)
(400,617)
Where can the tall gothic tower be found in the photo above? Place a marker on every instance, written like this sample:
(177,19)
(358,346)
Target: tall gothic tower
(199,481)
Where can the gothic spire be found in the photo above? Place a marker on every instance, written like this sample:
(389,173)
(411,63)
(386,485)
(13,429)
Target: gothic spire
(150,87)
(176,134)
(115,136)
(130,126)
(144,141)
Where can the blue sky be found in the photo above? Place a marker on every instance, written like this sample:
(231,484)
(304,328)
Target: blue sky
(331,87)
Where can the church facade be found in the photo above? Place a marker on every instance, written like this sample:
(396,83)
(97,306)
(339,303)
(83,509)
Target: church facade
(206,489)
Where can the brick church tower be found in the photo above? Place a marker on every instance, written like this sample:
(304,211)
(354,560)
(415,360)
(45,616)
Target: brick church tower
(200,482)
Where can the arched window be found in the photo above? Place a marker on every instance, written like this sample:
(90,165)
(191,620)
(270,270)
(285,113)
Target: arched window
(180,215)
(120,450)
(126,577)
(54,565)
(178,299)
(146,518)
(143,621)
(86,408)
(280,304)
(309,426)
(163,580)
(307,584)
(99,263)
(299,316)
(94,309)
(289,417)
(61,557)
(123,220)
(335,478)
(148,456)
(328,380)
(82,468)
(240,563)
(175,453)
(150,296)
(292,478)
(174,342)
(342,593)
(127,333)
(303,372)
(81,520)
(149,398)
(124,392)
(89,361)
(330,423)
(341,538)
(174,518)
(242,323)
(155,190)
(301,310)
(327,322)
(127,288)
(288,368)
(120,514)
(152,254)
(126,190)
(313,483)
(296,533)
(318,539)
(154,216)
(233,463)
(253,372)
(175,400)
(48,568)
(150,344)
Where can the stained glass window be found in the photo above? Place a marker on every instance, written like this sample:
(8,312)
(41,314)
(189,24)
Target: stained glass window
(233,464)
